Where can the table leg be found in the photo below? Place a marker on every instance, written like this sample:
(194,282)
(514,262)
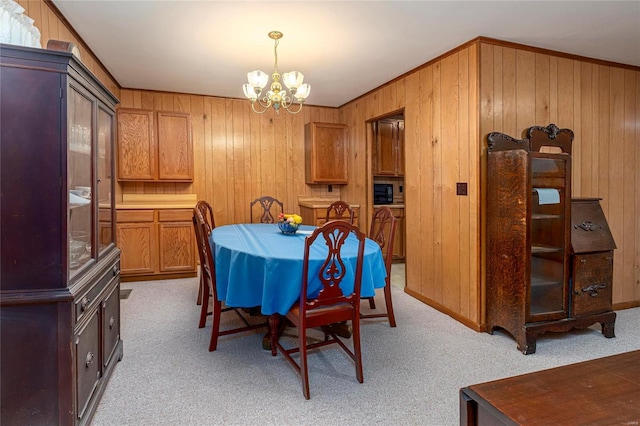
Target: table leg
(274,322)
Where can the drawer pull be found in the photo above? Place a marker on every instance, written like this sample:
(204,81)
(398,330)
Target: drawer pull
(586,225)
(112,321)
(89,359)
(593,289)
(85,302)
(116,269)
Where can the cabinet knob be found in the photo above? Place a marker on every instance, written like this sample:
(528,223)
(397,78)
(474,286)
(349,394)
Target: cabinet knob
(89,359)
(84,303)
(112,321)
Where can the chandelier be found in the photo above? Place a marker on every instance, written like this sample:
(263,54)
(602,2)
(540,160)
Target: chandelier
(276,96)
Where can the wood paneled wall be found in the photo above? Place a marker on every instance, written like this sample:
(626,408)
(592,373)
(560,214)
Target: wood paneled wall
(53,26)
(450,104)
(441,148)
(601,103)
(238,155)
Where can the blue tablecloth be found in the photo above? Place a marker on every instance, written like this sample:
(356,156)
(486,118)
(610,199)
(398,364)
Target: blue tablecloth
(257,265)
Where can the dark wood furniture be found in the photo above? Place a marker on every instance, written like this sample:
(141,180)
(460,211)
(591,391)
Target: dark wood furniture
(206,211)
(330,305)
(604,391)
(59,294)
(383,232)
(529,237)
(266,203)
(209,273)
(325,152)
(337,211)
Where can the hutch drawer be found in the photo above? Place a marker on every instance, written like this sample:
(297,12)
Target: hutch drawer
(592,278)
(85,301)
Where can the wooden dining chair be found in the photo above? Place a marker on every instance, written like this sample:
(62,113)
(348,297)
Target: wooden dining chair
(383,231)
(330,305)
(209,274)
(266,202)
(341,210)
(206,211)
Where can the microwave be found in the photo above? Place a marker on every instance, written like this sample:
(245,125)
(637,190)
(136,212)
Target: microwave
(382,193)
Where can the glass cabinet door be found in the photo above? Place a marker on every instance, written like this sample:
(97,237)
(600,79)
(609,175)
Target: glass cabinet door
(548,240)
(79,179)
(105,182)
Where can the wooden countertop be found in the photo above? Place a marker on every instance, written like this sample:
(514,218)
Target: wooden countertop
(156,201)
(391,206)
(320,203)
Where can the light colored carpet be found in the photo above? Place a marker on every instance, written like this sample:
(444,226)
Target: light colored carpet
(412,373)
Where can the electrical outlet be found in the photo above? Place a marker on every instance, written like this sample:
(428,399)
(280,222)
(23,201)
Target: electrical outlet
(461,188)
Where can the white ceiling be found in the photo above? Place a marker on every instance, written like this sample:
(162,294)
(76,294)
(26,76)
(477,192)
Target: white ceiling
(344,48)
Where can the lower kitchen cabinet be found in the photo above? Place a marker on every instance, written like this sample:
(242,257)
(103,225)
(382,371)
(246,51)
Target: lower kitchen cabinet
(156,243)
(316,214)
(398,242)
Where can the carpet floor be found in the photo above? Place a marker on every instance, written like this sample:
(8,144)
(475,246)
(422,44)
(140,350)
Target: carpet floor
(412,373)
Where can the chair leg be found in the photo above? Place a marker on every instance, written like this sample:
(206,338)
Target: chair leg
(304,373)
(389,303)
(215,326)
(204,307)
(372,302)
(200,286)
(356,348)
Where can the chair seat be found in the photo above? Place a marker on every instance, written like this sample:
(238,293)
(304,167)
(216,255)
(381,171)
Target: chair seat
(320,316)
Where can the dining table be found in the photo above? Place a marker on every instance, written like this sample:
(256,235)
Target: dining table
(258,265)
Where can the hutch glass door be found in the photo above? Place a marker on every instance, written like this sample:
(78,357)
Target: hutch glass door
(79,178)
(548,237)
(105,183)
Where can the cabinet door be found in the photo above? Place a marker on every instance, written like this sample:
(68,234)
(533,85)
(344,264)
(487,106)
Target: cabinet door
(386,149)
(137,155)
(177,244)
(137,241)
(398,241)
(175,150)
(110,324)
(87,356)
(325,153)
(549,237)
(105,184)
(400,149)
(80,112)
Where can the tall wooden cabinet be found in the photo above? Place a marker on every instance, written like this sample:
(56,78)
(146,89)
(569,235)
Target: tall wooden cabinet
(529,236)
(388,153)
(59,293)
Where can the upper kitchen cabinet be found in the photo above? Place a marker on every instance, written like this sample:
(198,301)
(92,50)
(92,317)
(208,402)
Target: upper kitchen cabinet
(388,155)
(154,146)
(325,153)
